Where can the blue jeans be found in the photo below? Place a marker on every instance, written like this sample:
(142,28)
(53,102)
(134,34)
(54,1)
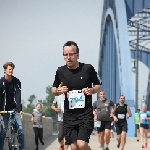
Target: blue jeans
(5,121)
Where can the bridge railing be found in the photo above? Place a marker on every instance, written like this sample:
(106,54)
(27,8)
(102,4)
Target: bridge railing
(28,130)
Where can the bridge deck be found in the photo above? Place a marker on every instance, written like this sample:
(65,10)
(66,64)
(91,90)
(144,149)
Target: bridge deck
(52,144)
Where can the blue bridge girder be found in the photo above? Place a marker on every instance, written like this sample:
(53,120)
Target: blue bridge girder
(115,55)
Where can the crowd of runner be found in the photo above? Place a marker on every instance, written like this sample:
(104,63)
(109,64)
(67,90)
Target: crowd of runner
(73,87)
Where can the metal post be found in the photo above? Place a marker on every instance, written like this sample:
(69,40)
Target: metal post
(137,72)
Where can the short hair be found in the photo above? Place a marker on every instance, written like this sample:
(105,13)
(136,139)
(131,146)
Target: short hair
(8,64)
(101,91)
(39,104)
(138,110)
(123,96)
(70,43)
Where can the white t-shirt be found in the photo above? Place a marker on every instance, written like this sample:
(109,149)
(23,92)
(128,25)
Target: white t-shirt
(59,100)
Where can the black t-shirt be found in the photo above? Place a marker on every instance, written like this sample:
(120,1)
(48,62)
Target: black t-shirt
(121,111)
(77,79)
(10,91)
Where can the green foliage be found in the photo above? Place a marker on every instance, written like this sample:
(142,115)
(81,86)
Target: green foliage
(46,103)
(31,105)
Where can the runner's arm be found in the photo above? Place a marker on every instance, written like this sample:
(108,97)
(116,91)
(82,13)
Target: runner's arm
(53,106)
(140,119)
(148,116)
(32,118)
(113,109)
(95,88)
(56,84)
(94,111)
(54,91)
(129,111)
(112,114)
(43,115)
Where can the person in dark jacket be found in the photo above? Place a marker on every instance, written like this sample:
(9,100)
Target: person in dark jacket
(10,99)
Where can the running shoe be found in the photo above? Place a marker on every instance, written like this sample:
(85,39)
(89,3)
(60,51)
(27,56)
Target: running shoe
(146,146)
(106,148)
(118,145)
(61,148)
(42,142)
(137,140)
(142,146)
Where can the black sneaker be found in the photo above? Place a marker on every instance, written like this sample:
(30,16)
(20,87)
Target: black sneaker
(137,140)
(42,142)
(106,148)
(118,145)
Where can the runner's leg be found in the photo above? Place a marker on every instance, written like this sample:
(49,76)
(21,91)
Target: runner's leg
(123,139)
(146,138)
(142,136)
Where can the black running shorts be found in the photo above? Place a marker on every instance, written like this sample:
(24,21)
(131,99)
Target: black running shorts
(145,126)
(137,126)
(121,126)
(104,125)
(78,127)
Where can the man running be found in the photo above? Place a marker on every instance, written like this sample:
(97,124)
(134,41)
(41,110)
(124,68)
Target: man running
(137,122)
(122,112)
(58,106)
(104,118)
(75,80)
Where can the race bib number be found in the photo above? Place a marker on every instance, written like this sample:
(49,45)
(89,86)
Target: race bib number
(76,99)
(121,116)
(62,107)
(98,124)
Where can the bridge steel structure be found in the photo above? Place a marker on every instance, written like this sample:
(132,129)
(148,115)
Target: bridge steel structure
(116,51)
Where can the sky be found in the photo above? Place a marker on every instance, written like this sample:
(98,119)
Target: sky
(32,34)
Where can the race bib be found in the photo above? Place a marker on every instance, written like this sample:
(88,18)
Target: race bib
(62,107)
(121,116)
(98,124)
(76,99)
(143,116)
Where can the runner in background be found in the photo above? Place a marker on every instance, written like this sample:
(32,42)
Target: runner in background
(112,129)
(58,107)
(137,123)
(144,117)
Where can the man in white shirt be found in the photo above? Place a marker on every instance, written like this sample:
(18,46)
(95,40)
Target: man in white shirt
(58,106)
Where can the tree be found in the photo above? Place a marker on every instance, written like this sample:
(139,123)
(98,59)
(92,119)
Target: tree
(48,102)
(40,101)
(31,105)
